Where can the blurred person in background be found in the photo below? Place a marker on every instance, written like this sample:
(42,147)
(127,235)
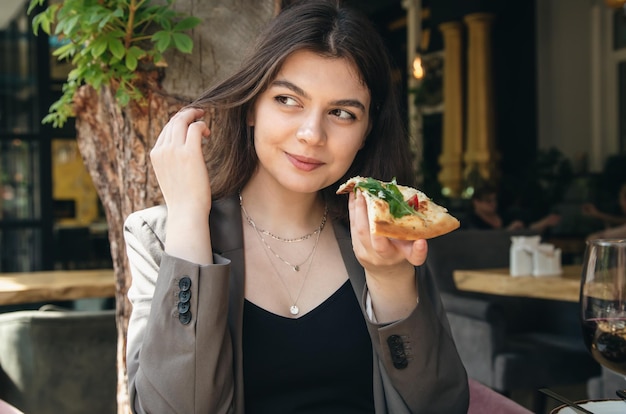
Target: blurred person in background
(485,214)
(615,223)
(609,218)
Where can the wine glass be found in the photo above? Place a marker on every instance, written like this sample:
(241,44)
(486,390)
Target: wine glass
(603,302)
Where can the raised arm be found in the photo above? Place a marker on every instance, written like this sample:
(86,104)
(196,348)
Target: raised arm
(184,181)
(408,326)
(179,351)
(389,265)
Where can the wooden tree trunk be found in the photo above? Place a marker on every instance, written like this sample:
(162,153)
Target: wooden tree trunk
(115,142)
(115,145)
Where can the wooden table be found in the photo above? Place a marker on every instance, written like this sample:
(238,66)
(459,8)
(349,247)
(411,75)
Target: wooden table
(58,285)
(564,287)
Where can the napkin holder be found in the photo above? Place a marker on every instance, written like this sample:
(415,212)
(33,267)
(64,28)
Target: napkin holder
(521,254)
(546,260)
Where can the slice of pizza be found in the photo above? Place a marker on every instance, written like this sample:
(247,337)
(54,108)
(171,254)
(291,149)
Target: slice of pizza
(401,212)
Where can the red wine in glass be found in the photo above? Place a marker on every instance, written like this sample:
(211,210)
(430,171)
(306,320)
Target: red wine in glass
(603,302)
(606,340)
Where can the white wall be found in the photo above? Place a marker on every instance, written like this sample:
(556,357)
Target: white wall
(564,76)
(9,10)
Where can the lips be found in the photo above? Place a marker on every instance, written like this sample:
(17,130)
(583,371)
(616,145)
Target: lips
(304,163)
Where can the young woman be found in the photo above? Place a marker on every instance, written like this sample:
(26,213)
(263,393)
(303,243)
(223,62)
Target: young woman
(268,294)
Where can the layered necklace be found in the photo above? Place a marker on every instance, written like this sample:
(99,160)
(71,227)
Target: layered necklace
(261,232)
(293,309)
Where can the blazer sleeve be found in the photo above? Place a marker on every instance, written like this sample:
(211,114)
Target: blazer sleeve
(418,358)
(179,353)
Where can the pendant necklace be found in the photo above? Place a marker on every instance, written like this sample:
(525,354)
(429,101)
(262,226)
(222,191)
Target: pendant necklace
(293,309)
(260,232)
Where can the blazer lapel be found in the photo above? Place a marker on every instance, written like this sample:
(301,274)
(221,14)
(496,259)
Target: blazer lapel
(354,268)
(227,240)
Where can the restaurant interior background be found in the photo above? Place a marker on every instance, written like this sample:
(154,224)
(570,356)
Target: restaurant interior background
(557,70)
(554,86)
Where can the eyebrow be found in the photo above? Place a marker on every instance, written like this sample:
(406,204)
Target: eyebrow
(299,91)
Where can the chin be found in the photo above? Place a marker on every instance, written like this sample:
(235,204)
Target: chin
(302,184)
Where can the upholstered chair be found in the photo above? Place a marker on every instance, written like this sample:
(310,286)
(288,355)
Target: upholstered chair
(6,408)
(484,400)
(55,361)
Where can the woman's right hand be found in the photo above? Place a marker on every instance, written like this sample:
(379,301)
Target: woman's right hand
(179,164)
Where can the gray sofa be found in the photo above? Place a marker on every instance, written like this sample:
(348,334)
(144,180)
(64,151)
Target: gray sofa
(57,361)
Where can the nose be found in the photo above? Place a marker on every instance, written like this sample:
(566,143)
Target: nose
(311,130)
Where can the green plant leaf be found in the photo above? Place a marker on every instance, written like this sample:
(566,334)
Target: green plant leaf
(163,19)
(131,62)
(118,13)
(187,24)
(123,98)
(44,20)
(136,52)
(71,24)
(97,79)
(162,40)
(117,48)
(98,47)
(183,42)
(158,59)
(95,32)
(33,4)
(64,51)
(114,61)
(76,73)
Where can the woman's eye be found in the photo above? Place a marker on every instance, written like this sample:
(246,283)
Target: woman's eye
(342,114)
(286,100)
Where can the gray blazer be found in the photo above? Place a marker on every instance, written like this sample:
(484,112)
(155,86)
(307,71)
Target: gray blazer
(184,349)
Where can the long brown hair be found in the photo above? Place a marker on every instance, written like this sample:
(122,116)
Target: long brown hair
(330,29)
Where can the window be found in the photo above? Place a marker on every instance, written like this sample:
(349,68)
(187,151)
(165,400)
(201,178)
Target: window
(25,220)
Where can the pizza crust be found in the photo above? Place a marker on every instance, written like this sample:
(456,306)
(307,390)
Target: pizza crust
(435,220)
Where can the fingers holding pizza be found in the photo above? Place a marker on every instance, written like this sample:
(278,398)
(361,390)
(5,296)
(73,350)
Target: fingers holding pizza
(396,218)
(379,252)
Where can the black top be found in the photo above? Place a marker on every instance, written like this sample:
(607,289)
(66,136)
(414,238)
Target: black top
(318,363)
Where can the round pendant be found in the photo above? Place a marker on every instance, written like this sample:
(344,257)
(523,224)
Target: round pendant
(294,310)
(296,268)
